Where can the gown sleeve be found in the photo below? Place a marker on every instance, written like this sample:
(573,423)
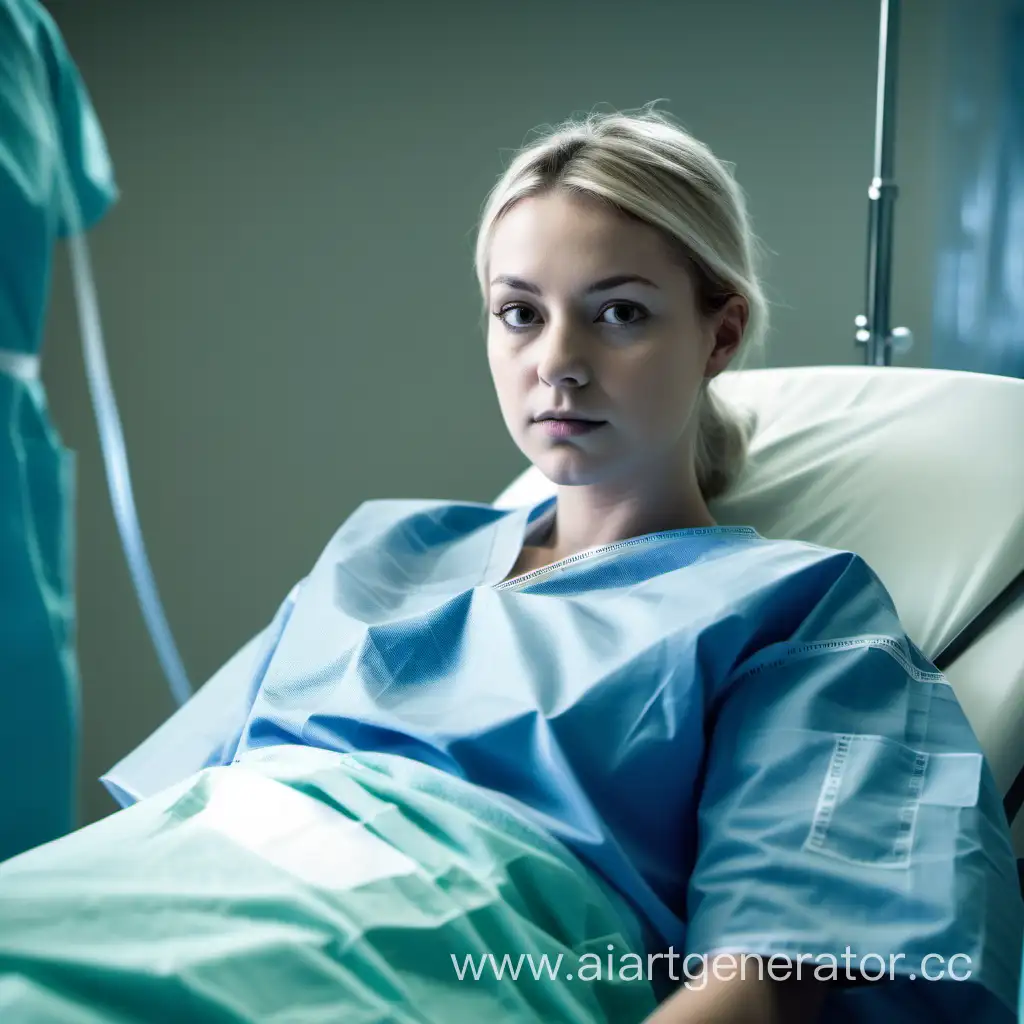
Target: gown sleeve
(82,141)
(47,122)
(849,822)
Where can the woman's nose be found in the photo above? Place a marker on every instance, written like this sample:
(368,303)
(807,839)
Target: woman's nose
(562,362)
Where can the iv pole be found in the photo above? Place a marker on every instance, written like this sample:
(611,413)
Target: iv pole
(873,326)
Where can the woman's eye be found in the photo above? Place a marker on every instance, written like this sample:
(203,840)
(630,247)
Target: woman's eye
(627,307)
(504,312)
(627,314)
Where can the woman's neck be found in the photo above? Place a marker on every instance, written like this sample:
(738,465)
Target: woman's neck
(591,515)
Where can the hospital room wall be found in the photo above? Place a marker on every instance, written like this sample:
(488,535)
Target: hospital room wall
(287,285)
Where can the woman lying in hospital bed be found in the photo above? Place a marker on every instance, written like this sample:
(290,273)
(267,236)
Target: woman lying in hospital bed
(595,760)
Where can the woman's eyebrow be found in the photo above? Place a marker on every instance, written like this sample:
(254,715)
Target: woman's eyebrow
(605,284)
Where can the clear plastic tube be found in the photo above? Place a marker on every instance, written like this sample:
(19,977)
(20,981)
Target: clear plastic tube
(112,444)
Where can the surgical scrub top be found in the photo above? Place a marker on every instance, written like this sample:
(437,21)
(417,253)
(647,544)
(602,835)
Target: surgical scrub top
(49,134)
(736,732)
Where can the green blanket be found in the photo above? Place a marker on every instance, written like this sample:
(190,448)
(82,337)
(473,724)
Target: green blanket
(306,886)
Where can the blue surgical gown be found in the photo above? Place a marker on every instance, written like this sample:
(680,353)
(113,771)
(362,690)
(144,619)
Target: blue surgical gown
(47,123)
(735,732)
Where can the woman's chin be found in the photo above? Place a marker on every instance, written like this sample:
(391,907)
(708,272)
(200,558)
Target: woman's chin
(566,466)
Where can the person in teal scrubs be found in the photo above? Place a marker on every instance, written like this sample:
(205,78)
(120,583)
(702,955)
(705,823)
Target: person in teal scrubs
(49,134)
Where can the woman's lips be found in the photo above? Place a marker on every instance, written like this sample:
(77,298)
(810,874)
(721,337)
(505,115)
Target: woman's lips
(562,428)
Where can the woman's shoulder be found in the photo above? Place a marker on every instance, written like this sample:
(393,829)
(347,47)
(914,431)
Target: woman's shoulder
(381,514)
(418,523)
(801,593)
(791,560)
(825,601)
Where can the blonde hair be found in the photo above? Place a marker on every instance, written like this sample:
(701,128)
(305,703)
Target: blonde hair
(648,167)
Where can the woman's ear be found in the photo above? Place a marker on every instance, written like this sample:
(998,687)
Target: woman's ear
(728,325)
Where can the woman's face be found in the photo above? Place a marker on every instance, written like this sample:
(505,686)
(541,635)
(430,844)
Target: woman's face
(596,344)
